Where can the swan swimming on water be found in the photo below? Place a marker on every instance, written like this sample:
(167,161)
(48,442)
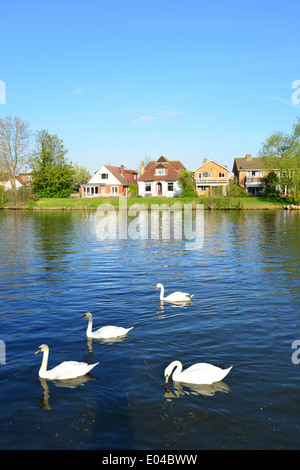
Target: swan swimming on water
(105,332)
(175,297)
(200,373)
(65,370)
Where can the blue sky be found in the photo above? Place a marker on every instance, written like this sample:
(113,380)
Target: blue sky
(124,81)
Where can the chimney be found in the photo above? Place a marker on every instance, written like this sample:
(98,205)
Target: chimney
(122,170)
(142,168)
(204,161)
(248,157)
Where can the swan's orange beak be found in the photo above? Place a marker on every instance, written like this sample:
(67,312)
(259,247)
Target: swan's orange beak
(37,351)
(156,288)
(83,317)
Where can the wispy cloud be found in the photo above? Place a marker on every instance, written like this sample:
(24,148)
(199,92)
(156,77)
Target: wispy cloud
(156,114)
(277,99)
(144,119)
(77,91)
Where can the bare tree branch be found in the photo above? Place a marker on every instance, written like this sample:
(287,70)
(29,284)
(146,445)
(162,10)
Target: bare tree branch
(14,144)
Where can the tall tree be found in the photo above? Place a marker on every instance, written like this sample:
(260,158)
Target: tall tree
(186,183)
(52,172)
(81,175)
(14,147)
(281,151)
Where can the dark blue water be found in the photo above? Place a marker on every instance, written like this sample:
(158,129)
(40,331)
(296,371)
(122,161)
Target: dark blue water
(245,313)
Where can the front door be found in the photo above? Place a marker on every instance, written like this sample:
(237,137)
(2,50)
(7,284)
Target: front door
(159,189)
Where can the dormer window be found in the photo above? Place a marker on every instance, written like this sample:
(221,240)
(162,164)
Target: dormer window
(160,171)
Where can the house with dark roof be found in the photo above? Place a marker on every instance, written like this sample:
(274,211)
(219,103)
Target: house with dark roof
(109,181)
(160,178)
(248,172)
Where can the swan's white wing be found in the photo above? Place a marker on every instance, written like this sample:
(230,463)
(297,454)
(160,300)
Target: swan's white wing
(178,296)
(203,373)
(110,332)
(69,369)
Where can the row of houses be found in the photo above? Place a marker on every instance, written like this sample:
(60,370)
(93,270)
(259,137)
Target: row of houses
(160,178)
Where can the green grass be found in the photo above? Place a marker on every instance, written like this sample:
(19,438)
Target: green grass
(209,202)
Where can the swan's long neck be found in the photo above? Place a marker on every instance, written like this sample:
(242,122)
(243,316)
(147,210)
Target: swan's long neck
(178,368)
(43,368)
(90,326)
(162,292)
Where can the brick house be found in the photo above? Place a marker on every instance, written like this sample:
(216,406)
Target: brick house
(109,181)
(26,179)
(248,172)
(210,175)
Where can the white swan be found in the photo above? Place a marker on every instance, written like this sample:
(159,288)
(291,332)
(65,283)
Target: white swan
(175,297)
(200,373)
(106,331)
(65,370)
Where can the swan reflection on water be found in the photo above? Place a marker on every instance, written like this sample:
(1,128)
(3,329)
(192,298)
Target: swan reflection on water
(109,341)
(68,383)
(181,389)
(162,311)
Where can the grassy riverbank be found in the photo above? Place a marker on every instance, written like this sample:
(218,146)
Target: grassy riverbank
(209,203)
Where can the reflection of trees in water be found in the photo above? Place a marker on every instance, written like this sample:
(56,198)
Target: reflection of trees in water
(53,234)
(254,243)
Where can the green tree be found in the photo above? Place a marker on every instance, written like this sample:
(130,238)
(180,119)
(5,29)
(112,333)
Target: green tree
(271,180)
(186,183)
(234,190)
(281,151)
(133,189)
(81,175)
(52,173)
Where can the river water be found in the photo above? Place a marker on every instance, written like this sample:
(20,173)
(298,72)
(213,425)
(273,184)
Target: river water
(244,313)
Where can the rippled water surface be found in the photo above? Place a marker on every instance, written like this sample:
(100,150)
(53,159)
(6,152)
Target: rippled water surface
(245,314)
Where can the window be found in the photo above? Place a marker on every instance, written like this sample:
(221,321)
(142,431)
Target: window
(160,171)
(148,187)
(203,188)
(221,174)
(114,190)
(206,174)
(104,176)
(255,173)
(170,186)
